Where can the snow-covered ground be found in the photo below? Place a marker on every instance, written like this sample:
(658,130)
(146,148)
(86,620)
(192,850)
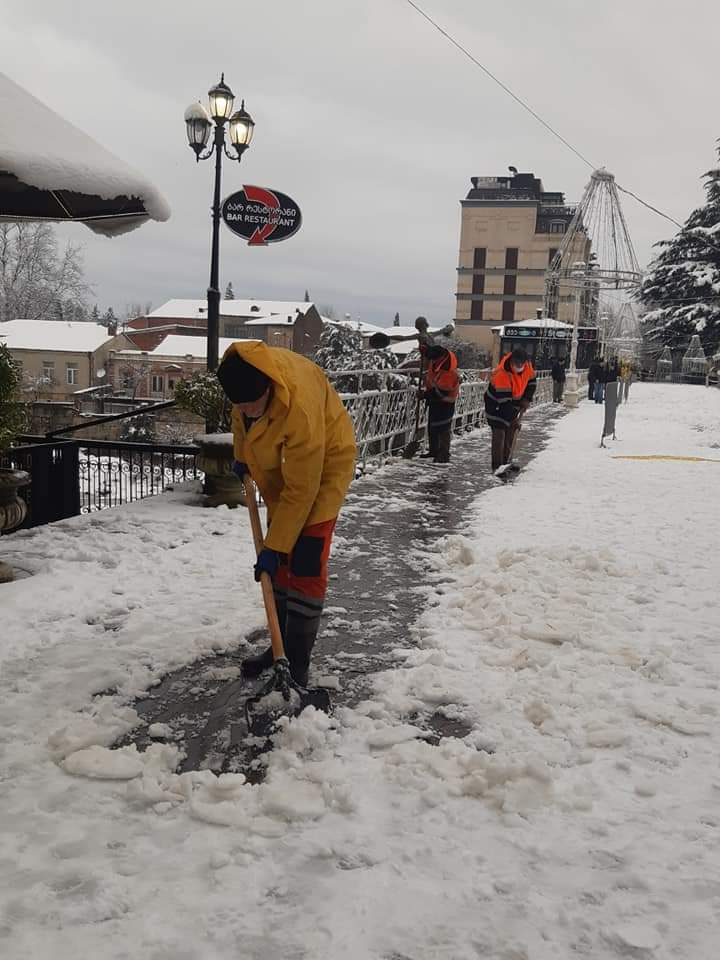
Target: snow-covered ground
(573,627)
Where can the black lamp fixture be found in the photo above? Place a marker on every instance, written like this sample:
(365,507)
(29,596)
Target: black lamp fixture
(199,122)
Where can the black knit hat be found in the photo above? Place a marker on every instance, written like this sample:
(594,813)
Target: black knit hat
(519,355)
(241,382)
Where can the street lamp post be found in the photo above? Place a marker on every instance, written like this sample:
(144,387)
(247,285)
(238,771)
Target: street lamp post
(199,122)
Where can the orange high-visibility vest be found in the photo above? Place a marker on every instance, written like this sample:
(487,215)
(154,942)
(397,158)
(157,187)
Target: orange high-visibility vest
(442,375)
(506,390)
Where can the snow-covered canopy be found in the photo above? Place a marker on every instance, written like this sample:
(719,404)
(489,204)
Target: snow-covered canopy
(56,335)
(546,323)
(51,170)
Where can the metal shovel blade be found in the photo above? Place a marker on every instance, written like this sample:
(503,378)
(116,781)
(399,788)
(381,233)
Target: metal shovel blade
(282,697)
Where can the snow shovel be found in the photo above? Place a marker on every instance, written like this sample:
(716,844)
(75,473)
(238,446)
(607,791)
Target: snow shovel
(281,696)
(506,468)
(379,341)
(414,445)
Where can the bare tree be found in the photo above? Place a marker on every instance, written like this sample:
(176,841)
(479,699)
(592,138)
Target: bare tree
(132,373)
(137,309)
(35,274)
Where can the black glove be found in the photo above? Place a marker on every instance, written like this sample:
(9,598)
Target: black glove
(240,469)
(268,561)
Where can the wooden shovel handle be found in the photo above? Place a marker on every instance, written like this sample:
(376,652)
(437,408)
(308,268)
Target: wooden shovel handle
(265,580)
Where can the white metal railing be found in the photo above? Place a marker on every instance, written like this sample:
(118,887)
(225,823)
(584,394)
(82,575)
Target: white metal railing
(383,410)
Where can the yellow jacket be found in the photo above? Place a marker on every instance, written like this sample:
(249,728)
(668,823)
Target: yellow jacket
(301,452)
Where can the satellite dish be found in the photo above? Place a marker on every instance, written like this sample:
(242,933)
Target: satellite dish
(100,373)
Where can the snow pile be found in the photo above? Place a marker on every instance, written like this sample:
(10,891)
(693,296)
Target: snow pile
(570,631)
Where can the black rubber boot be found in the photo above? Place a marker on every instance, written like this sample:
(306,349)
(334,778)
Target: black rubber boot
(255,665)
(298,652)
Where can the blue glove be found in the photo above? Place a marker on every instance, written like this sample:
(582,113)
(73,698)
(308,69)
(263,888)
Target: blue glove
(240,469)
(267,562)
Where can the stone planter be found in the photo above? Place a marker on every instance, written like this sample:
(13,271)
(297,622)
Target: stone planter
(215,460)
(13,509)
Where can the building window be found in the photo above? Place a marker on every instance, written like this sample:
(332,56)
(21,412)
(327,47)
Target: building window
(71,373)
(48,370)
(234,329)
(551,255)
(511,258)
(510,284)
(476,311)
(557,226)
(171,383)
(508,311)
(157,383)
(478,284)
(479,258)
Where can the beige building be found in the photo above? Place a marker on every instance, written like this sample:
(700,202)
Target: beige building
(510,230)
(60,358)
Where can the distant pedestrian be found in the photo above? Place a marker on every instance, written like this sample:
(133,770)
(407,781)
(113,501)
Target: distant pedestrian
(442,387)
(594,377)
(510,391)
(627,375)
(557,372)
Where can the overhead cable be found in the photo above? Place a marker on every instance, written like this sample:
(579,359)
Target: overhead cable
(526,106)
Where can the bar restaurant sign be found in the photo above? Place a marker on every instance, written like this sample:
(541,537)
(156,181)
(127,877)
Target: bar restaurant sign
(260,215)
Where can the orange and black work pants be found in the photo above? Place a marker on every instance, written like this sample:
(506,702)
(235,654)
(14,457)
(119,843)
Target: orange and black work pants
(300,586)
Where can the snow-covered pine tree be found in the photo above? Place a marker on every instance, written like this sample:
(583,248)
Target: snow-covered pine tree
(682,287)
(396,321)
(307,296)
(341,348)
(109,317)
(229,292)
(95,315)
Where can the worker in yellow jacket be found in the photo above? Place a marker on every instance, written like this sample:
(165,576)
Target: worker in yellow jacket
(295,438)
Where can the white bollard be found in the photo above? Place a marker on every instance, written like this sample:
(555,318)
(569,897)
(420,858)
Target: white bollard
(571,395)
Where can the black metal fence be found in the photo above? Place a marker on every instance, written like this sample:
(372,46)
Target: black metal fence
(81,476)
(53,467)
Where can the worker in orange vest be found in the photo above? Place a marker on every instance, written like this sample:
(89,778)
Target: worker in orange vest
(442,387)
(509,394)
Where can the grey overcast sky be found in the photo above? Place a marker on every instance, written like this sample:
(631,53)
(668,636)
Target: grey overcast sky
(373,123)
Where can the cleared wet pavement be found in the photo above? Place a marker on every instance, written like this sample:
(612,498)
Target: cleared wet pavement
(391,517)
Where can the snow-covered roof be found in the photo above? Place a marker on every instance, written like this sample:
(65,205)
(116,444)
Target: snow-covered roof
(252,309)
(176,345)
(271,321)
(43,150)
(70,336)
(367,329)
